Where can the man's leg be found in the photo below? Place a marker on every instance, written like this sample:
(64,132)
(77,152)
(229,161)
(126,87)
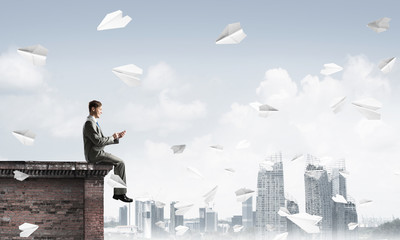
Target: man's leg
(119,169)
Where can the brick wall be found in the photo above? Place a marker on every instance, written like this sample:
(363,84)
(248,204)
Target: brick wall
(64,199)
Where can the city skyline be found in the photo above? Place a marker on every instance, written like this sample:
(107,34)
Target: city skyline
(198,93)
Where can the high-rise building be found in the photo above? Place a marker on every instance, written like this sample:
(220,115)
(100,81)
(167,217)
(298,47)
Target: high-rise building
(318,193)
(350,216)
(236,220)
(338,182)
(143,216)
(247,213)
(157,215)
(202,219)
(211,220)
(270,197)
(174,220)
(123,216)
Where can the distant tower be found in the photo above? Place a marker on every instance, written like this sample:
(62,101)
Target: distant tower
(157,215)
(211,220)
(338,182)
(175,220)
(318,195)
(123,216)
(143,216)
(236,220)
(350,216)
(270,197)
(202,219)
(247,213)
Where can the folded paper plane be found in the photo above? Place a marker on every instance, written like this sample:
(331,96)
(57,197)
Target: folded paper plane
(195,172)
(232,34)
(306,222)
(331,68)
(20,176)
(386,65)
(338,104)
(180,230)
(114,20)
(209,196)
(237,228)
(282,236)
(178,148)
(181,210)
(283,212)
(115,181)
(231,170)
(27,229)
(243,144)
(352,226)
(243,194)
(219,147)
(129,74)
(367,107)
(26,137)
(339,199)
(380,25)
(365,202)
(36,54)
(159,204)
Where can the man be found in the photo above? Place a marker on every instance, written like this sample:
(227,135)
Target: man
(94,142)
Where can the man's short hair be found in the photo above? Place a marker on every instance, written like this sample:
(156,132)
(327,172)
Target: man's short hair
(94,104)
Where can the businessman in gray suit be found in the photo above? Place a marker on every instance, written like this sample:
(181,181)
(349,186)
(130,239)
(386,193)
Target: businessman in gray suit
(94,142)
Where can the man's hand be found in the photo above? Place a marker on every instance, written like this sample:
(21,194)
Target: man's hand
(119,135)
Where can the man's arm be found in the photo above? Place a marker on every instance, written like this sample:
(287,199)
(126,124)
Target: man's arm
(96,137)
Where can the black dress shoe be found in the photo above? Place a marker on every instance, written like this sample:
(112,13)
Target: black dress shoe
(123,198)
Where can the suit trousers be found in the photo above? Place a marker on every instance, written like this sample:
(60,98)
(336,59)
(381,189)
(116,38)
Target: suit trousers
(119,169)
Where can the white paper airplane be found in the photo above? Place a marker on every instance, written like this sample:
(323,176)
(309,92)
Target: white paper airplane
(159,204)
(180,230)
(20,176)
(219,147)
(386,65)
(339,199)
(306,222)
(237,228)
(331,68)
(129,74)
(115,181)
(209,196)
(178,148)
(26,137)
(338,104)
(283,212)
(114,20)
(231,170)
(352,226)
(262,113)
(27,229)
(160,224)
(269,227)
(297,157)
(365,202)
(243,144)
(267,108)
(243,194)
(380,25)
(282,236)
(195,172)
(367,107)
(344,173)
(232,34)
(181,210)
(36,54)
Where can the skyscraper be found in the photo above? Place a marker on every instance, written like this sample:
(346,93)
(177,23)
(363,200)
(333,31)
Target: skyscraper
(157,215)
(211,220)
(338,182)
(247,213)
(270,197)
(143,216)
(123,216)
(174,220)
(202,219)
(319,195)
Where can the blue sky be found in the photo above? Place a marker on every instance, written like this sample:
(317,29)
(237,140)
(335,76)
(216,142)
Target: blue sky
(198,93)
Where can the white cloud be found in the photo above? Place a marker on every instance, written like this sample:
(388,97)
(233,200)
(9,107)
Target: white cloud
(159,77)
(17,74)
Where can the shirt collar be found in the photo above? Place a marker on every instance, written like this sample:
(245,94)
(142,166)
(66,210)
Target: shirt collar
(92,117)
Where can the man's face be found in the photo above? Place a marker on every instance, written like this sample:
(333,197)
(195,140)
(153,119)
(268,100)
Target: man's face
(97,112)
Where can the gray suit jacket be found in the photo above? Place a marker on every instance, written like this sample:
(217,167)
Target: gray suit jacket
(94,141)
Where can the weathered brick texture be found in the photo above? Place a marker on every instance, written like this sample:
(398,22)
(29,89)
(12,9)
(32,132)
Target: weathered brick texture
(64,198)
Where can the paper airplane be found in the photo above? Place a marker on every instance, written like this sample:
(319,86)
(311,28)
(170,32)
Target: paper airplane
(160,224)
(159,204)
(352,226)
(36,54)
(368,107)
(180,230)
(243,144)
(115,181)
(365,202)
(195,172)
(231,170)
(237,228)
(339,199)
(386,65)
(267,108)
(282,236)
(232,34)
(380,25)
(262,113)
(209,196)
(219,147)
(27,229)
(129,74)
(243,194)
(267,165)
(306,222)
(297,157)
(283,212)
(397,172)
(26,137)
(181,210)
(345,174)
(330,68)
(269,227)
(114,20)
(178,148)
(20,176)
(338,104)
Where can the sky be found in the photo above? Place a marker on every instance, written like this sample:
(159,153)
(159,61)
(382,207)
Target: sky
(197,93)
